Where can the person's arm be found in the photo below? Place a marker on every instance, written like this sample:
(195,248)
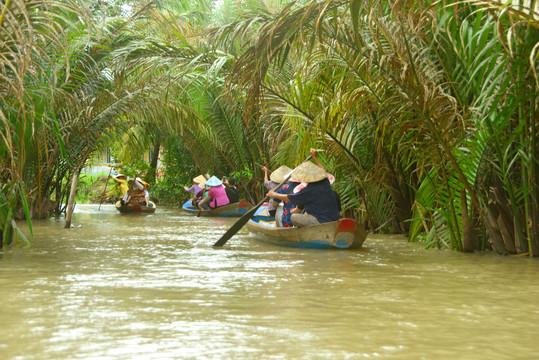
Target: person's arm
(296,210)
(274,194)
(199,193)
(147,197)
(314,154)
(114,189)
(265,169)
(205,200)
(138,185)
(126,198)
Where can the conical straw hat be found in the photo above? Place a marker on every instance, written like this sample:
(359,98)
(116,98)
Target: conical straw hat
(279,175)
(200,180)
(308,172)
(214,181)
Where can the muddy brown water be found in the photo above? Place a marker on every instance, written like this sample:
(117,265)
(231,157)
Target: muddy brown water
(152,287)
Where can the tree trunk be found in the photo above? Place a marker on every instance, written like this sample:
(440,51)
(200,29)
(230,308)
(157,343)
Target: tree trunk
(153,163)
(494,236)
(71,201)
(467,230)
(500,210)
(400,197)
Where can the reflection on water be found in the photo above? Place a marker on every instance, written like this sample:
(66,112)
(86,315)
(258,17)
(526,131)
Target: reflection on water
(152,287)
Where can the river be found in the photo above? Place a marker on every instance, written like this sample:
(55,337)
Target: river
(152,287)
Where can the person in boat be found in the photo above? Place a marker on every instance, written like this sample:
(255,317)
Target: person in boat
(331,179)
(285,219)
(272,182)
(197,188)
(232,192)
(137,193)
(121,185)
(316,198)
(216,195)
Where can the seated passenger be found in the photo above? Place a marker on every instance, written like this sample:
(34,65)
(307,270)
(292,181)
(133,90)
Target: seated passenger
(232,192)
(317,198)
(272,182)
(216,195)
(137,193)
(285,219)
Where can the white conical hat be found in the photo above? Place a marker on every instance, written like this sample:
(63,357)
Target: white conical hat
(214,181)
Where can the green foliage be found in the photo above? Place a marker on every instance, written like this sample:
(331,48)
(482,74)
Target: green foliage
(91,187)
(179,172)
(242,175)
(416,104)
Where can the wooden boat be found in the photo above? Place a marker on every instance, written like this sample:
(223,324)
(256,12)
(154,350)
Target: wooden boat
(229,210)
(341,234)
(135,208)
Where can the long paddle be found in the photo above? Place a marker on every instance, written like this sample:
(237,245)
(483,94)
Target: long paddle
(245,217)
(105,190)
(199,211)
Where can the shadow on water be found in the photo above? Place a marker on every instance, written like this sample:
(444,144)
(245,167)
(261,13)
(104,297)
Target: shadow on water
(152,287)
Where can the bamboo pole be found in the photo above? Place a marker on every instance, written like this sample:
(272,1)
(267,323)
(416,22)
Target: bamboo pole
(71,201)
(105,190)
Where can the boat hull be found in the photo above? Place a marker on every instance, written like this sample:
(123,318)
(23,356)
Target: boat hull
(135,208)
(230,210)
(341,234)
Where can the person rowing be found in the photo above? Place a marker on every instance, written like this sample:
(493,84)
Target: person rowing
(197,188)
(121,185)
(317,198)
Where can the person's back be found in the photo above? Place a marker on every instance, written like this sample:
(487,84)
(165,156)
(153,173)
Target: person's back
(218,196)
(232,192)
(137,194)
(318,200)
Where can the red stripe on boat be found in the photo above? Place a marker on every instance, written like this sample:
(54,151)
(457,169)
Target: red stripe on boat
(347,225)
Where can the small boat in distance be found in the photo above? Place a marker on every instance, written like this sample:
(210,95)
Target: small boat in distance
(344,233)
(229,210)
(135,208)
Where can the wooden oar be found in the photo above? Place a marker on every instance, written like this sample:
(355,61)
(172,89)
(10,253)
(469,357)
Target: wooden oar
(105,190)
(260,165)
(245,217)
(199,211)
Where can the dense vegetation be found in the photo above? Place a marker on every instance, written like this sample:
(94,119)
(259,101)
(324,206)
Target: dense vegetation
(427,110)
